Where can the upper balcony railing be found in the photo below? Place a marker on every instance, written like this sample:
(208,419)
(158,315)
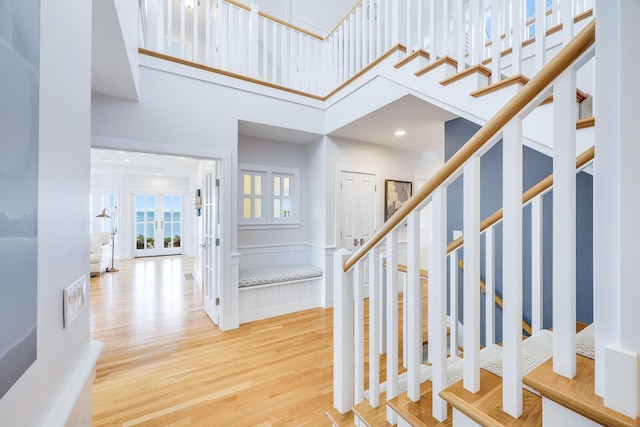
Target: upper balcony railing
(242,41)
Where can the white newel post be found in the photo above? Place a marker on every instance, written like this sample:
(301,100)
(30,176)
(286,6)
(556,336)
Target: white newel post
(437,302)
(342,334)
(413,326)
(392,320)
(564,229)
(617,209)
(471,274)
(512,267)
(374,327)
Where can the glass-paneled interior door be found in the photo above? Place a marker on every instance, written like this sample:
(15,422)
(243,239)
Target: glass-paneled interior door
(210,245)
(158,227)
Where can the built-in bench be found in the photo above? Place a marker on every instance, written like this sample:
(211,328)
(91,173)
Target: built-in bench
(277,280)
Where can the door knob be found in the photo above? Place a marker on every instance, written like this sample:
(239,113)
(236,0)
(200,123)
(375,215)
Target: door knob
(361,242)
(355,242)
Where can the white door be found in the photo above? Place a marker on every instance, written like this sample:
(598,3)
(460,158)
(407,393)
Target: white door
(358,206)
(158,229)
(210,245)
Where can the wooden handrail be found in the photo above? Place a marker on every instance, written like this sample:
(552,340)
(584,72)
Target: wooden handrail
(534,191)
(483,287)
(569,54)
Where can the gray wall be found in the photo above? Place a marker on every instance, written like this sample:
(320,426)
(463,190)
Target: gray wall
(536,167)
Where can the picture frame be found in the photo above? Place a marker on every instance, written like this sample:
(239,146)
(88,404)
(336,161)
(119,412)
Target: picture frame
(395,194)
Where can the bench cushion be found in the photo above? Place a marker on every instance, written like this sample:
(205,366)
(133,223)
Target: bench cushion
(277,274)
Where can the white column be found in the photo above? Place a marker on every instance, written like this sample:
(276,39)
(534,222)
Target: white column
(564,228)
(437,301)
(490,282)
(413,307)
(512,267)
(541,34)
(471,275)
(392,320)
(374,327)
(496,40)
(358,334)
(616,209)
(342,334)
(537,310)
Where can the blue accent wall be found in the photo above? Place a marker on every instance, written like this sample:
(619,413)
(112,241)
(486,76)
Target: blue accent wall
(536,166)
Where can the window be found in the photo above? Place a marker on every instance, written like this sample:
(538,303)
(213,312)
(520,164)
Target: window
(269,196)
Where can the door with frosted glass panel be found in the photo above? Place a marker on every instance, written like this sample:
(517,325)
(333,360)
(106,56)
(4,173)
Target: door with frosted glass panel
(158,224)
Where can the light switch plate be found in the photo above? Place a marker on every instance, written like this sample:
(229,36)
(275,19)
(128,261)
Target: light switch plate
(74,300)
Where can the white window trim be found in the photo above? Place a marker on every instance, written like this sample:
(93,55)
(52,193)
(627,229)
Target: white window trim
(268,221)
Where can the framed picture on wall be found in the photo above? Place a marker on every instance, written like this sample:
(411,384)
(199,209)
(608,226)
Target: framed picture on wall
(395,194)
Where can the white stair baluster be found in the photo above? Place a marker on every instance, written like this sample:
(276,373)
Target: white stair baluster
(476,46)
(459,37)
(437,301)
(342,334)
(358,334)
(496,40)
(541,34)
(471,275)
(207,32)
(512,267)
(453,302)
(564,229)
(183,26)
(166,44)
(537,313)
(414,306)
(433,33)
(374,327)
(490,282)
(383,303)
(567,13)
(392,320)
(517,28)
(194,45)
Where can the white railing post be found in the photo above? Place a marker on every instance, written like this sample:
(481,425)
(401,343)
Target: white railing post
(183,27)
(471,275)
(207,32)
(453,302)
(496,40)
(476,46)
(459,37)
(564,229)
(490,282)
(155,31)
(541,34)
(358,334)
(512,267)
(517,29)
(374,327)
(413,307)
(567,13)
(537,313)
(395,22)
(392,320)
(169,29)
(196,33)
(437,302)
(342,334)
(434,37)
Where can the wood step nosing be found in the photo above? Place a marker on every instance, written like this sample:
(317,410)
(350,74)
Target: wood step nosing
(417,54)
(516,79)
(443,60)
(481,69)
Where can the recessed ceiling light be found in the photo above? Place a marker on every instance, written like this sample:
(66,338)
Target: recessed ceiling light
(127,160)
(400,132)
(182,158)
(120,152)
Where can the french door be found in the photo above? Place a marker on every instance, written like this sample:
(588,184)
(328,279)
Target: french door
(210,245)
(158,227)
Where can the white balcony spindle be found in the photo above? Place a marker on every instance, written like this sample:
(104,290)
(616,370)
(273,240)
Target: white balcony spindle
(453,302)
(517,29)
(167,40)
(437,310)
(414,305)
(207,33)
(293,59)
(358,334)
(471,275)
(342,334)
(512,268)
(374,327)
(358,40)
(537,313)
(459,38)
(196,33)
(265,50)
(490,282)
(183,36)
(433,33)
(392,320)
(275,54)
(155,18)
(541,34)
(407,27)
(496,40)
(564,229)
(372,39)
(476,45)
(394,23)
(447,37)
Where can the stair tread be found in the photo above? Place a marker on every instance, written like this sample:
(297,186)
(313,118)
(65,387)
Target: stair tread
(373,417)
(479,69)
(340,420)
(485,406)
(577,394)
(419,413)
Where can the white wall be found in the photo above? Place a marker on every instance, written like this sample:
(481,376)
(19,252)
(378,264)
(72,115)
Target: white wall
(47,392)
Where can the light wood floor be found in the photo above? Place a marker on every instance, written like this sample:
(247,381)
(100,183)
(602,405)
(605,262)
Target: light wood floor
(165,364)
